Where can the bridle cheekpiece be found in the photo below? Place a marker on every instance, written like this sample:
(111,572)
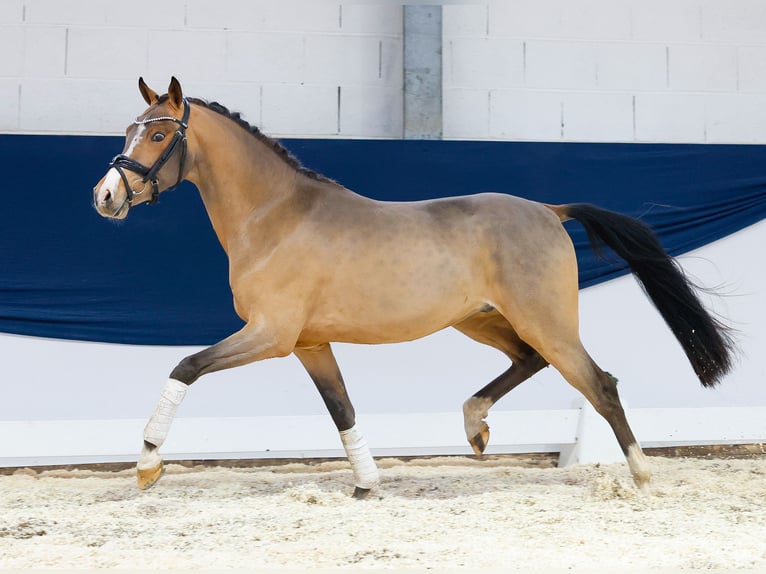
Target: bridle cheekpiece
(149,174)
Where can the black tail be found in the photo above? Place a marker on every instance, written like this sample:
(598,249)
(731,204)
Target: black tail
(706,341)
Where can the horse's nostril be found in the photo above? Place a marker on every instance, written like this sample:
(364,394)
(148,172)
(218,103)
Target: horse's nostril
(107,196)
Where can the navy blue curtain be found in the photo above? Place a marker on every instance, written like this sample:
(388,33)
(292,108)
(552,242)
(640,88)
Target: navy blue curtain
(160,276)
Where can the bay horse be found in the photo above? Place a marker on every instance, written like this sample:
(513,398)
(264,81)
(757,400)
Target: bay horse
(312,263)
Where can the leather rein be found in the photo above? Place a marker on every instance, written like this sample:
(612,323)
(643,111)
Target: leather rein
(149,174)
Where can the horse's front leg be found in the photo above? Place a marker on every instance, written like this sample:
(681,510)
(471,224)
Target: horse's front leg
(252,343)
(320,363)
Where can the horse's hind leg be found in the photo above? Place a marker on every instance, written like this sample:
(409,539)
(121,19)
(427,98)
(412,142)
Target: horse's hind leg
(494,330)
(320,363)
(600,389)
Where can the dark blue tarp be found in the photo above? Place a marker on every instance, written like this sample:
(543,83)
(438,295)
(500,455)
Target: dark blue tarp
(160,277)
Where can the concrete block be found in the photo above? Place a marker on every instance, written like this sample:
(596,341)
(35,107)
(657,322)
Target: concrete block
(597,117)
(45,48)
(735,118)
(525,115)
(702,67)
(265,15)
(9,104)
(147,14)
(562,65)
(736,21)
(12,48)
(66,12)
(465,21)
(350,59)
(189,55)
(114,53)
(484,62)
(465,113)
(300,110)
(584,19)
(266,57)
(663,21)
(80,106)
(242,97)
(628,66)
(671,118)
(752,68)
(378,19)
(371,112)
(11,12)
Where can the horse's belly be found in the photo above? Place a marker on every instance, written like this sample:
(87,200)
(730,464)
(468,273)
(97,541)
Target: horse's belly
(386,318)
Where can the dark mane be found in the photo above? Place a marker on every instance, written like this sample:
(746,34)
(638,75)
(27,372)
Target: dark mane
(275,146)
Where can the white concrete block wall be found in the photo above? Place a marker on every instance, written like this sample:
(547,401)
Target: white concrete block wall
(295,68)
(606,70)
(562,70)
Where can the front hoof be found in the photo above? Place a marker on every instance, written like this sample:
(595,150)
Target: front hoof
(147,477)
(360,493)
(480,440)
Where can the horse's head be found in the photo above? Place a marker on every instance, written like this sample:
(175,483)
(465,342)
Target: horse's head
(154,157)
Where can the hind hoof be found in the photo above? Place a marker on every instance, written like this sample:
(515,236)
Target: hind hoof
(360,493)
(148,477)
(479,441)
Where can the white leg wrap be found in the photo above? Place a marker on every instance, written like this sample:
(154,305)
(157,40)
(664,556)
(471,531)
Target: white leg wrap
(358,453)
(159,424)
(475,411)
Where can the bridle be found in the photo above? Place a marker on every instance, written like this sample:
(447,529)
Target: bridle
(149,174)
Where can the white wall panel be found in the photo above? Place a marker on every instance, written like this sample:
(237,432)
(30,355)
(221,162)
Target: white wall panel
(194,55)
(654,51)
(595,19)
(561,65)
(146,13)
(733,20)
(526,115)
(644,49)
(44,52)
(9,104)
(670,117)
(66,12)
(592,116)
(365,108)
(662,21)
(265,57)
(751,74)
(735,117)
(345,60)
(314,108)
(264,15)
(233,47)
(80,106)
(631,66)
(702,68)
(109,53)
(11,42)
(469,113)
(11,11)
(483,62)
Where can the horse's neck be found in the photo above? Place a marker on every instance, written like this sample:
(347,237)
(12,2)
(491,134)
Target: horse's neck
(238,175)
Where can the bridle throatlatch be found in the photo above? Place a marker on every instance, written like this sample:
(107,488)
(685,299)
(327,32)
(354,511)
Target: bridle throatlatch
(149,174)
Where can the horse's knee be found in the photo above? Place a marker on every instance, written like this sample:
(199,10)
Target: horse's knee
(188,370)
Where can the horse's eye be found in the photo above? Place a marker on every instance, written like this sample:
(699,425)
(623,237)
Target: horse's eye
(158,137)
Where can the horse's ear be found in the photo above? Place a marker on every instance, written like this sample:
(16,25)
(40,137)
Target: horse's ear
(149,95)
(174,93)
